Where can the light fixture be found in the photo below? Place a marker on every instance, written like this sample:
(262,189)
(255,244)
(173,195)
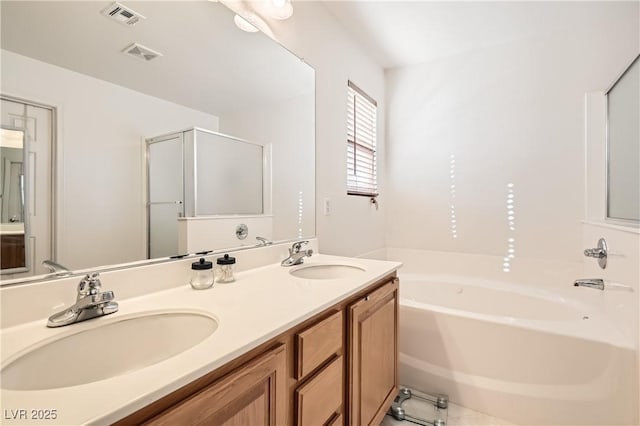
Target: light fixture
(244,25)
(280,9)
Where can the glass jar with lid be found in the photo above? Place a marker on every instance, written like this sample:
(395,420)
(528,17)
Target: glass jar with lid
(201,274)
(224,269)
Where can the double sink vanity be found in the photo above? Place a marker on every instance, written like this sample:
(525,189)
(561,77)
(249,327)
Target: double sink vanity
(311,344)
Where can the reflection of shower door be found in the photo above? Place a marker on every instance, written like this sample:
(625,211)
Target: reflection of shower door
(165,192)
(37,121)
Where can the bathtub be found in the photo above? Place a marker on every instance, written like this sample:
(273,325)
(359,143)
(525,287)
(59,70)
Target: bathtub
(528,354)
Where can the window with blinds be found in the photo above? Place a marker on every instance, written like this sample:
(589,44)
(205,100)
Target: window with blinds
(361,143)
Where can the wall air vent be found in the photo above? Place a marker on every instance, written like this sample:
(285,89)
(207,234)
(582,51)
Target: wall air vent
(141,52)
(122,14)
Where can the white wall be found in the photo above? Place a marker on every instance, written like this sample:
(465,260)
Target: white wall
(354,225)
(101,128)
(512,113)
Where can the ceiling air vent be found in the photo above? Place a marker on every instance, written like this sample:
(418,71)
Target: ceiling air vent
(141,52)
(122,14)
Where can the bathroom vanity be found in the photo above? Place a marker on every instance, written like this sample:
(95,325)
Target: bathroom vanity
(304,345)
(339,365)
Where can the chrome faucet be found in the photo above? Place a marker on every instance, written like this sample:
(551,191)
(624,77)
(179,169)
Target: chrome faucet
(263,241)
(56,269)
(590,282)
(90,303)
(296,254)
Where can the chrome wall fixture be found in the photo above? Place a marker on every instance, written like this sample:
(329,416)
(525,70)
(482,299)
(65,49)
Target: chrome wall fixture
(600,253)
(242,231)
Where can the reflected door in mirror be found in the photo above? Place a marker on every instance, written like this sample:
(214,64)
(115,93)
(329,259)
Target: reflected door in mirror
(26,187)
(166,196)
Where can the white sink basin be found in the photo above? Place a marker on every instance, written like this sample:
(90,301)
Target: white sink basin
(107,350)
(327,271)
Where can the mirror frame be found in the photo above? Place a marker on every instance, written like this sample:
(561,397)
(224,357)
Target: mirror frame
(608,218)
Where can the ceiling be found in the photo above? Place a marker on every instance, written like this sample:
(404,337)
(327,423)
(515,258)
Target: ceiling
(399,33)
(208,64)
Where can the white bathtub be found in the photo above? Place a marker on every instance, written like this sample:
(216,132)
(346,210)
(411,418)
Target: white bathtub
(530,355)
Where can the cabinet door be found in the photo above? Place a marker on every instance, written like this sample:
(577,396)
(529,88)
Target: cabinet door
(253,395)
(373,355)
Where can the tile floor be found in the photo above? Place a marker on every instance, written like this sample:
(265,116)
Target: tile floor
(457,416)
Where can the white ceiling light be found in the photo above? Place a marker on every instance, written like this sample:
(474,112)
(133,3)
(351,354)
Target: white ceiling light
(244,25)
(280,9)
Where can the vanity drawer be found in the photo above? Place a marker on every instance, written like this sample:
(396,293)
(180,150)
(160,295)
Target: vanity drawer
(320,399)
(318,343)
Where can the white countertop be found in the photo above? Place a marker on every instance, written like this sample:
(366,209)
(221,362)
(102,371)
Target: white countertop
(12,228)
(261,304)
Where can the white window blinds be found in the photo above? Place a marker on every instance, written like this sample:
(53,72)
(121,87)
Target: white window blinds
(361,143)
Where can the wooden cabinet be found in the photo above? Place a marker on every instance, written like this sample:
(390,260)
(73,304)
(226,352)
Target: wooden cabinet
(12,251)
(319,368)
(320,399)
(373,354)
(338,367)
(255,394)
(318,343)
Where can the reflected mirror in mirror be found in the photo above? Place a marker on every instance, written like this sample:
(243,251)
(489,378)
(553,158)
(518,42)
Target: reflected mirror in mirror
(623,146)
(13,257)
(91,96)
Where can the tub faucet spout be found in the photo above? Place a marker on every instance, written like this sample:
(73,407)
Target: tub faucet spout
(590,282)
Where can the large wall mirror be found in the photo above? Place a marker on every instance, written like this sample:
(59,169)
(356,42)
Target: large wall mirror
(90,94)
(623,146)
